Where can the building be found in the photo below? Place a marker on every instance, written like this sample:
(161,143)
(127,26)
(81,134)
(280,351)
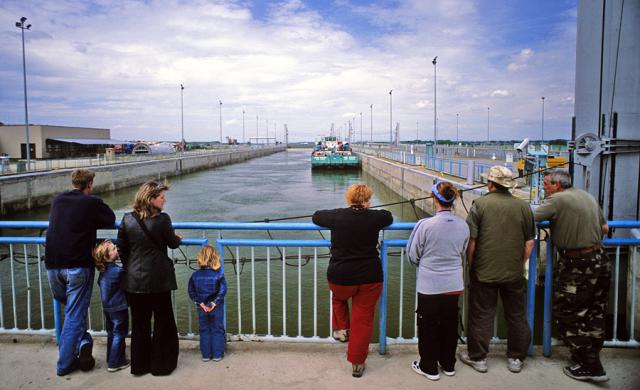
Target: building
(54,141)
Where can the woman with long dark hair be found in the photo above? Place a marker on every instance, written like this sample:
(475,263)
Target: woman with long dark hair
(149,277)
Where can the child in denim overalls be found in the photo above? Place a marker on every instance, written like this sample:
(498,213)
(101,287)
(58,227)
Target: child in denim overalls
(114,304)
(207,288)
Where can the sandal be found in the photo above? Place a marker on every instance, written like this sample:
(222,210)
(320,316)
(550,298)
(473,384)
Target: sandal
(341,335)
(358,370)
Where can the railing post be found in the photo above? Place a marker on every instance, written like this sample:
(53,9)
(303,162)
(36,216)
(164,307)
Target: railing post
(383,302)
(531,292)
(224,313)
(546,325)
(470,172)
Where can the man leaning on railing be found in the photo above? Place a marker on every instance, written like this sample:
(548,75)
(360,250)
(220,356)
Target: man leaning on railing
(584,272)
(73,220)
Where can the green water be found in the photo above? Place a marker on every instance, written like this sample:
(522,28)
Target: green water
(276,186)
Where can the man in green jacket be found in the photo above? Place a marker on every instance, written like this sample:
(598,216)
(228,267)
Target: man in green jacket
(583,276)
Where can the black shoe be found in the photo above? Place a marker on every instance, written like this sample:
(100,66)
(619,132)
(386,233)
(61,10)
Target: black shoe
(72,368)
(582,373)
(85,361)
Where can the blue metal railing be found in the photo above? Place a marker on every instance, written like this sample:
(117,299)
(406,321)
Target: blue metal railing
(253,244)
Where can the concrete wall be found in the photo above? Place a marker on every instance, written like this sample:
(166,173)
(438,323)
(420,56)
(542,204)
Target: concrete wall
(28,191)
(411,183)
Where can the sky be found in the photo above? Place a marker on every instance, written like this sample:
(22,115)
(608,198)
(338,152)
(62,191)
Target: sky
(119,64)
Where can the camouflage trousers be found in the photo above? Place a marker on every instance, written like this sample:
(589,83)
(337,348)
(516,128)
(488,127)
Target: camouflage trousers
(580,303)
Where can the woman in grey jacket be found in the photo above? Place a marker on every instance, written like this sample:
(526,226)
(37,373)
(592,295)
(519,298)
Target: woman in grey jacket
(149,277)
(436,246)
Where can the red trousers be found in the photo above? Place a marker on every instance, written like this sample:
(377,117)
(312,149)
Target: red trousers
(363,306)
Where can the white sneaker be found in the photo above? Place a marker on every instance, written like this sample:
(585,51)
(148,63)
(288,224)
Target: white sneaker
(478,365)
(514,365)
(204,359)
(447,373)
(415,366)
(126,364)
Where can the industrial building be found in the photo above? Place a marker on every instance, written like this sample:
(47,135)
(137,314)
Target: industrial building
(48,141)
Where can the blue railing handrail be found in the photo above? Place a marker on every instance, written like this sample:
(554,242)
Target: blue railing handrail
(213,225)
(42,240)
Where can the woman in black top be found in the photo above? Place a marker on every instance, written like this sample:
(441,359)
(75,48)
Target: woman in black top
(149,277)
(355,270)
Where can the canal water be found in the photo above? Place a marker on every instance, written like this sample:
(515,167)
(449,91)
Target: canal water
(277,186)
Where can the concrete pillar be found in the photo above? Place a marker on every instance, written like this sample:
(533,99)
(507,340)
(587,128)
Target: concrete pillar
(470,169)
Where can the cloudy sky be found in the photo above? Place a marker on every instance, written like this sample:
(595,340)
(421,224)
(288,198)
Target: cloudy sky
(119,64)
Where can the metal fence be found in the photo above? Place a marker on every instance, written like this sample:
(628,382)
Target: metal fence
(277,288)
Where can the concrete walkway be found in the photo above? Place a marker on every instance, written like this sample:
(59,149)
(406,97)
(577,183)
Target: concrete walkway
(28,362)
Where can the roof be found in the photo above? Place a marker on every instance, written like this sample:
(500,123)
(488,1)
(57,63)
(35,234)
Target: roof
(90,141)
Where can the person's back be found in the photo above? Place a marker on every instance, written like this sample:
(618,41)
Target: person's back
(73,221)
(501,224)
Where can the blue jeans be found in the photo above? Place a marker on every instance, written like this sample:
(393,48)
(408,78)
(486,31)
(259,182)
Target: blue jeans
(212,334)
(72,288)
(117,328)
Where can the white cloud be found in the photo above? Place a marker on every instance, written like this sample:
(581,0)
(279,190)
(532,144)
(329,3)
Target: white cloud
(500,93)
(521,60)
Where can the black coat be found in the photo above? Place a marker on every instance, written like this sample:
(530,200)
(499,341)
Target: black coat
(147,268)
(354,240)
(73,221)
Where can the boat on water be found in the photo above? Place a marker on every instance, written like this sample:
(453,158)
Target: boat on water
(330,153)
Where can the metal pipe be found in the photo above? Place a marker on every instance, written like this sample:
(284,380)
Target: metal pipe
(531,291)
(546,324)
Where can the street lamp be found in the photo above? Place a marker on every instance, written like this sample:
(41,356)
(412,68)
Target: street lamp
(243,139)
(435,113)
(390,117)
(220,101)
(256,129)
(542,118)
(371,128)
(457,129)
(21,26)
(182,113)
(488,112)
(361,141)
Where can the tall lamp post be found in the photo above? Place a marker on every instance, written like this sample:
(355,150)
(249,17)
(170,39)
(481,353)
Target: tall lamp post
(220,101)
(488,112)
(435,112)
(243,139)
(361,141)
(371,128)
(390,117)
(182,115)
(21,26)
(457,129)
(542,118)
(257,129)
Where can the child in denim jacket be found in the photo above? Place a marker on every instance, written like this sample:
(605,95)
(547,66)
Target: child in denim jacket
(114,304)
(207,288)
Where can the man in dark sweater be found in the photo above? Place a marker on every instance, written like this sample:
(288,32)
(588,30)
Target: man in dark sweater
(74,219)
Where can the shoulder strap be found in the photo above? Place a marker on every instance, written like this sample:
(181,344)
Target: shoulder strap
(147,232)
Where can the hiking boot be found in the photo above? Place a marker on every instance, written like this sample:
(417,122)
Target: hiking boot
(126,364)
(85,359)
(415,366)
(341,335)
(478,365)
(581,373)
(357,370)
(514,365)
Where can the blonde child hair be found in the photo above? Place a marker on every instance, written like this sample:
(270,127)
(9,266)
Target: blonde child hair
(208,257)
(101,255)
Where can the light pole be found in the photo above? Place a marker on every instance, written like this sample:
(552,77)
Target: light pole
(390,117)
(182,113)
(435,112)
(257,129)
(371,128)
(243,139)
(361,141)
(457,129)
(220,101)
(488,113)
(21,26)
(417,130)
(542,118)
